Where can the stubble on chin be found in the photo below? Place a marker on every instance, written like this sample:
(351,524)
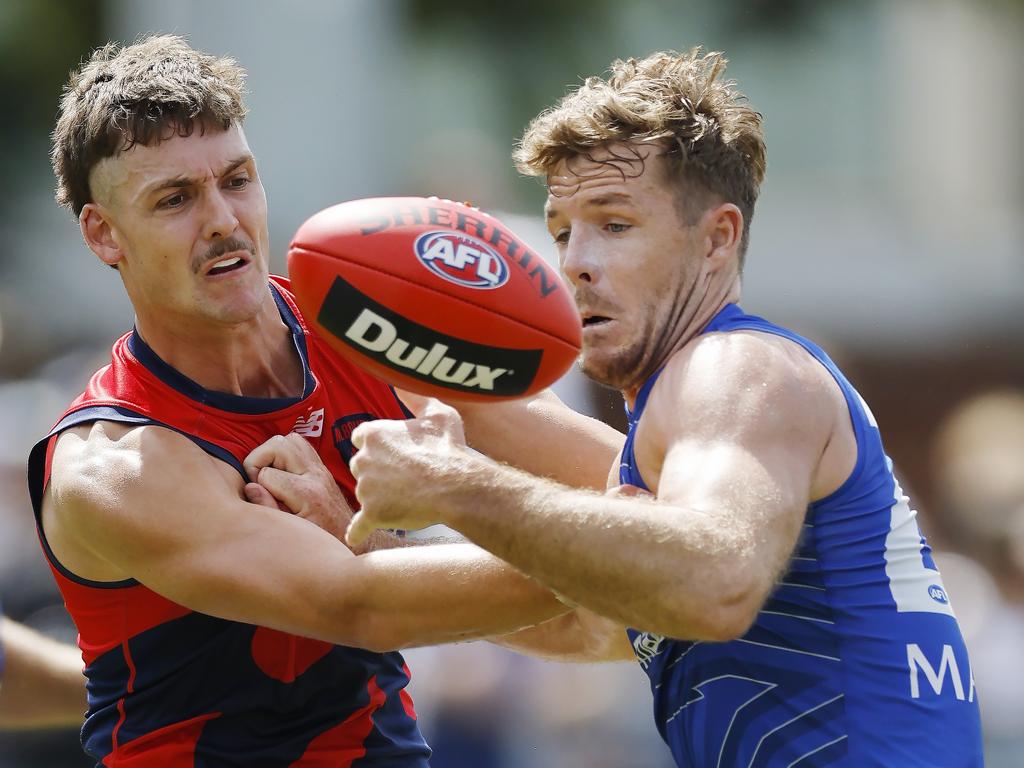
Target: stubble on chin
(617,371)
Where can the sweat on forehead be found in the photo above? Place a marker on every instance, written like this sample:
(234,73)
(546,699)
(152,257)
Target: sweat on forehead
(621,161)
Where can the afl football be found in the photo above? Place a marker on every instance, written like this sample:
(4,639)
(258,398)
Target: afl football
(435,297)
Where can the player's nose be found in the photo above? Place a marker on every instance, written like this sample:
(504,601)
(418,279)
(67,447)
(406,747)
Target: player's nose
(577,264)
(219,219)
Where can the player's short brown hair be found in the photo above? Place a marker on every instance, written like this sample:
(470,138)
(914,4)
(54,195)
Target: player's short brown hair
(138,94)
(713,140)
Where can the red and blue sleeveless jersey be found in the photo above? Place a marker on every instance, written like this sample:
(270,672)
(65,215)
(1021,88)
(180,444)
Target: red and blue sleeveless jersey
(856,658)
(170,687)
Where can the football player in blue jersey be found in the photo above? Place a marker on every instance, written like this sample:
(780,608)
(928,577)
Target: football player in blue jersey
(775,585)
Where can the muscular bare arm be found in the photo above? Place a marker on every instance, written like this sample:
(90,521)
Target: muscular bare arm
(735,431)
(289,475)
(540,435)
(146,503)
(43,685)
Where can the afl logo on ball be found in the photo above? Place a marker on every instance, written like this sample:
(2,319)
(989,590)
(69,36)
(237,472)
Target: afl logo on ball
(461,259)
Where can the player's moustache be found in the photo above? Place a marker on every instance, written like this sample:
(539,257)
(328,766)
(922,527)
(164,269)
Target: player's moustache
(221,247)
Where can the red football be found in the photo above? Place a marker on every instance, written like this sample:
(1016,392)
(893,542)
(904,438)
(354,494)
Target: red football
(435,297)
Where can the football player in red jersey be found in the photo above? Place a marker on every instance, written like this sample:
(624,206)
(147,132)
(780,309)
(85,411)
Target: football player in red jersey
(214,629)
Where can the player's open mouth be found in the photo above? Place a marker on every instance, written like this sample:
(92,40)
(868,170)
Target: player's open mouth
(231,263)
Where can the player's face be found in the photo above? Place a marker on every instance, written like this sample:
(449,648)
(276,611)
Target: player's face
(630,258)
(187,225)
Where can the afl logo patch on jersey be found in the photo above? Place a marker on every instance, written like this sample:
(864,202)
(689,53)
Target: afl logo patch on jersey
(461,259)
(938,594)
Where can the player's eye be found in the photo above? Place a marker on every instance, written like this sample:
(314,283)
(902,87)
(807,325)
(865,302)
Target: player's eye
(174,201)
(561,237)
(238,182)
(616,227)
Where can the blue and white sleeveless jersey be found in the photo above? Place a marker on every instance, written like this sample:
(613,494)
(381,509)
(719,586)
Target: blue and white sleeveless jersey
(856,658)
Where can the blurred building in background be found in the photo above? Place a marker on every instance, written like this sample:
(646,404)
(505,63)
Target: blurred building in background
(889,228)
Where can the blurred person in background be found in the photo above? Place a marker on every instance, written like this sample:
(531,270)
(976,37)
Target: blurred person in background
(779,592)
(42,688)
(216,629)
(977,462)
(41,682)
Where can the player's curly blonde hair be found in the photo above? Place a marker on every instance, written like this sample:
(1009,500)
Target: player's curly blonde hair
(713,140)
(138,94)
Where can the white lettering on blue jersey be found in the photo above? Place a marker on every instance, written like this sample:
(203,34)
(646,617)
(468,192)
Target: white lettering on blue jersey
(918,662)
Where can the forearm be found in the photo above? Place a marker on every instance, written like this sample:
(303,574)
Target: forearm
(43,685)
(578,636)
(544,437)
(444,593)
(657,567)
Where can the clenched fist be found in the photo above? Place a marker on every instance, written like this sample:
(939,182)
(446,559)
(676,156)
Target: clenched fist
(405,470)
(287,472)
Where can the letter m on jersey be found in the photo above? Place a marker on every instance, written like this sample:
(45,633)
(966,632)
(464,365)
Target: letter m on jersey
(919,664)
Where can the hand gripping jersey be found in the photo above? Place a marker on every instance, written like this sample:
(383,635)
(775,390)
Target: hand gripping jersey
(855,660)
(170,687)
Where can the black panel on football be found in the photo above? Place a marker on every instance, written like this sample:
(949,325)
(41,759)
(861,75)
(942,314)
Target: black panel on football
(421,352)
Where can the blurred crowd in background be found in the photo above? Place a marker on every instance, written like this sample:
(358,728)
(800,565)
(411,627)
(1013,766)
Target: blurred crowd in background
(889,230)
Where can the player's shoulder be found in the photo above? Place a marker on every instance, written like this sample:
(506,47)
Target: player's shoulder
(726,364)
(727,379)
(95,465)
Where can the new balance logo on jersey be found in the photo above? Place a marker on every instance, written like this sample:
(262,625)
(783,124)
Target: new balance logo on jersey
(311,425)
(646,646)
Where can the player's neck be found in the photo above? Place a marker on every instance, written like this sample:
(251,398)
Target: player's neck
(256,358)
(691,325)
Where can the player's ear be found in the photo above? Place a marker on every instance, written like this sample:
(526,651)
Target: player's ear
(723,225)
(98,234)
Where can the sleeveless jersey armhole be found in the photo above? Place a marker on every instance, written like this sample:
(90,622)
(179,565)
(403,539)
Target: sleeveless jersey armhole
(41,456)
(857,409)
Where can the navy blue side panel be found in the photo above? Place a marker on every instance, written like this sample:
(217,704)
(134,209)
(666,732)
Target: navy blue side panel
(106,682)
(218,674)
(386,745)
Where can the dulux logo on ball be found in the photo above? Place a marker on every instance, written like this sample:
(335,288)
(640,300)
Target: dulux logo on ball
(461,259)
